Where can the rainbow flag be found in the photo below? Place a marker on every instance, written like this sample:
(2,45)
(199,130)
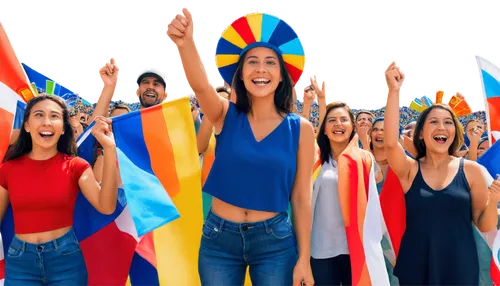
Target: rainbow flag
(362,216)
(168,255)
(490,79)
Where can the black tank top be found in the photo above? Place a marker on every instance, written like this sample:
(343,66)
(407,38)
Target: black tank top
(438,247)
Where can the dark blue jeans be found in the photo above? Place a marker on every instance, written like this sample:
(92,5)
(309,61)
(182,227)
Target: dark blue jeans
(268,248)
(57,262)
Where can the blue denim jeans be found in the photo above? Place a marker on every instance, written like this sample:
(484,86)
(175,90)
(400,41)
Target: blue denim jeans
(57,262)
(267,247)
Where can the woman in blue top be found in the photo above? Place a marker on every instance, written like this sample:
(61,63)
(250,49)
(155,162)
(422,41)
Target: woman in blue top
(444,195)
(264,154)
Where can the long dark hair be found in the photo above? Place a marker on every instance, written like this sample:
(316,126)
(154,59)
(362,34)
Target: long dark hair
(419,143)
(283,96)
(323,141)
(24,144)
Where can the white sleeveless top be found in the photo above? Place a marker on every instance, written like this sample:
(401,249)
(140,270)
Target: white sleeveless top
(328,236)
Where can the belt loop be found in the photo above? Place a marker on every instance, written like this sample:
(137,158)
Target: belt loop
(266,225)
(73,235)
(23,245)
(221,224)
(55,243)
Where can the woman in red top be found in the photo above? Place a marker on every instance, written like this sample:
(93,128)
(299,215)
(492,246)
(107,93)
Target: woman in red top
(40,178)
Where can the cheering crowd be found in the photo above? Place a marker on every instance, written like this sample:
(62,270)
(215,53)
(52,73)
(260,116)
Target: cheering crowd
(257,124)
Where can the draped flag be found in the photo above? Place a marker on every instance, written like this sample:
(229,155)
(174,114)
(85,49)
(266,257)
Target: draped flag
(317,164)
(362,216)
(490,79)
(392,203)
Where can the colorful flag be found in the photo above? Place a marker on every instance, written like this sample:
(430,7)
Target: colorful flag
(392,202)
(13,88)
(362,215)
(317,164)
(168,255)
(45,84)
(108,242)
(490,79)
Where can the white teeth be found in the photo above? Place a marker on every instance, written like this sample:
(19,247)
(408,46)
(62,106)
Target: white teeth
(261,81)
(440,138)
(338,132)
(47,133)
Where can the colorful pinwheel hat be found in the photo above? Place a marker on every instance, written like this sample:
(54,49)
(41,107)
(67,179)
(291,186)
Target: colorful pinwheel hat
(259,30)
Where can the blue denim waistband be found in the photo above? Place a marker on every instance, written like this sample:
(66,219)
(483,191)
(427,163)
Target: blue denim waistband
(215,221)
(46,246)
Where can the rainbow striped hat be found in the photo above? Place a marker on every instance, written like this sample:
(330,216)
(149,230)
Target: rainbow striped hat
(259,30)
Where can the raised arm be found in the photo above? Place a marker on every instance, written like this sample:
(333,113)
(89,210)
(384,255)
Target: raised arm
(103,197)
(109,76)
(399,162)
(321,99)
(180,31)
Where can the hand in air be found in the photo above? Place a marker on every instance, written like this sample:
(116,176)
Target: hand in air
(180,30)
(394,77)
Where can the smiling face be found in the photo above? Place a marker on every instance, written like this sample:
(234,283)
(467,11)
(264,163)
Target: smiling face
(45,124)
(261,73)
(151,92)
(338,126)
(438,130)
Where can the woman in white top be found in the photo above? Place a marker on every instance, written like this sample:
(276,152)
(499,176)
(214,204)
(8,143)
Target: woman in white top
(330,260)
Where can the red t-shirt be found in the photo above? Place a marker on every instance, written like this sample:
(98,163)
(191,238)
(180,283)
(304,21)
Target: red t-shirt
(42,193)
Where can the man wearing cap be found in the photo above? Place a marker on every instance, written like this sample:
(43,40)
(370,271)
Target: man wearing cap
(151,90)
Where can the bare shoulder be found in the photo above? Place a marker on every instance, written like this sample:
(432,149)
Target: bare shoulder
(306,129)
(472,170)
